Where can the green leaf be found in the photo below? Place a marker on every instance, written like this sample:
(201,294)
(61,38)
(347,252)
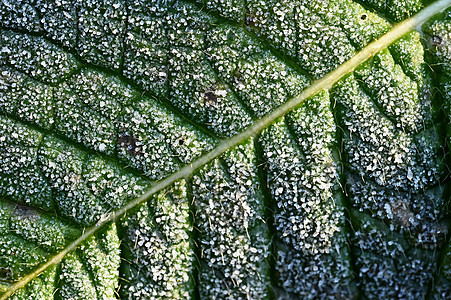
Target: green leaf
(437,33)
(224,149)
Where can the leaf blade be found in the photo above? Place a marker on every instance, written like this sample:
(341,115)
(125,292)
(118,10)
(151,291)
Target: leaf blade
(226,144)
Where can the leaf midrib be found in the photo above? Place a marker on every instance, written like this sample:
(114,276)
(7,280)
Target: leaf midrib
(324,83)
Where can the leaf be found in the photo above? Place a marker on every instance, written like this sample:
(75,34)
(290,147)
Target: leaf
(159,149)
(437,32)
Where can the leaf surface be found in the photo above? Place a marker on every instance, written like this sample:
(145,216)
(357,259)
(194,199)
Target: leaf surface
(251,195)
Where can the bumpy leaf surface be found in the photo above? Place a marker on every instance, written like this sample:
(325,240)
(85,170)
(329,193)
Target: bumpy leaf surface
(344,197)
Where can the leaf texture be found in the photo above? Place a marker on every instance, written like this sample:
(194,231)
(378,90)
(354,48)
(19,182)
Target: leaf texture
(343,197)
(438,34)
